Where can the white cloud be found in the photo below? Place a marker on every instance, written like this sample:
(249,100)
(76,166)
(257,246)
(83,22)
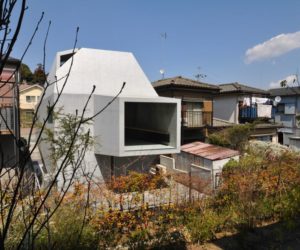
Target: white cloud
(274,47)
(290,81)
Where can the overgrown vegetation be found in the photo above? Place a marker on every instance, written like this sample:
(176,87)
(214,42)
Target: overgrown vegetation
(137,182)
(37,77)
(67,139)
(235,137)
(263,187)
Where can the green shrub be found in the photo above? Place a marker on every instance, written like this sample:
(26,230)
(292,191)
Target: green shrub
(204,226)
(235,137)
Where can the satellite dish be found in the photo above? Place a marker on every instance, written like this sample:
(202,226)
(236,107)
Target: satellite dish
(277,99)
(162,72)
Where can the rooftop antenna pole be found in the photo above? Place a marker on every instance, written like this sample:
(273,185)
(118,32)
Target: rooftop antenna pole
(163,37)
(199,75)
(297,77)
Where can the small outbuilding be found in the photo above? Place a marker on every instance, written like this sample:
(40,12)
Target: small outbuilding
(202,160)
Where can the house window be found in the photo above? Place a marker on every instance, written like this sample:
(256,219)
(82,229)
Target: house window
(192,114)
(30,98)
(289,109)
(280,108)
(266,138)
(29,115)
(194,106)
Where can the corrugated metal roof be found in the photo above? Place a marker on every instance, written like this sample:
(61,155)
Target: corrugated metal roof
(237,87)
(184,82)
(208,151)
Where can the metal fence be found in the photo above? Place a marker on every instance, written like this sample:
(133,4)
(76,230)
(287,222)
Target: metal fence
(193,119)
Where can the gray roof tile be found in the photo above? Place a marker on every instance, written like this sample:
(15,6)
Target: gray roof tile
(237,87)
(184,82)
(285,91)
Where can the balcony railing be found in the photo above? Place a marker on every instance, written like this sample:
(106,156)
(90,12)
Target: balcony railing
(194,119)
(250,113)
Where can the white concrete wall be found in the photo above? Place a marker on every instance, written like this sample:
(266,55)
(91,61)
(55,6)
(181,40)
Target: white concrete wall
(109,127)
(107,70)
(219,164)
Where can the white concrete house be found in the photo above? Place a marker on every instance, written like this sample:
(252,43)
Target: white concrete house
(137,123)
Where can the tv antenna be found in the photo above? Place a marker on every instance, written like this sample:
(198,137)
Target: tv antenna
(199,75)
(163,37)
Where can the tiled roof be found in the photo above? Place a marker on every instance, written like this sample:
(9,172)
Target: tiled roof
(24,86)
(12,60)
(184,82)
(238,88)
(208,151)
(285,91)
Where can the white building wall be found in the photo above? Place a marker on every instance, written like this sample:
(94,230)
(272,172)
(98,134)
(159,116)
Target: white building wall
(108,70)
(226,108)
(219,164)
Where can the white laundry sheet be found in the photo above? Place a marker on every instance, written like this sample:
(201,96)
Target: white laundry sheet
(264,110)
(258,100)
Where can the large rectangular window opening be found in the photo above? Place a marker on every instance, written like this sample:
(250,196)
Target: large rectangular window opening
(150,123)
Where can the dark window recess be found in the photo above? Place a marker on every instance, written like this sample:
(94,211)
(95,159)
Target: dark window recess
(280,108)
(146,135)
(148,123)
(65,58)
(50,118)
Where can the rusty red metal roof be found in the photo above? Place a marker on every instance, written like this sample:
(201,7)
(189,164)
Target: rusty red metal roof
(208,151)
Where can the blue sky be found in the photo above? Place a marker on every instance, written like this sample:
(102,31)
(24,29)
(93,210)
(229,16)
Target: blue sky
(252,42)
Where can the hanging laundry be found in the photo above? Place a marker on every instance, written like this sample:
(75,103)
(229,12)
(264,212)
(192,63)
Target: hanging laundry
(246,101)
(259,100)
(264,110)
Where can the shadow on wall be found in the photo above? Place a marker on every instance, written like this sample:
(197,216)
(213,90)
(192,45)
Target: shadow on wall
(120,166)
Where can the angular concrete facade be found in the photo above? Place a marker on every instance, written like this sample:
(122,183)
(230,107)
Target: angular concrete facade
(136,123)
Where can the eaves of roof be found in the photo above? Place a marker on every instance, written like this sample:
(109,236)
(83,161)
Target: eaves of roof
(182,82)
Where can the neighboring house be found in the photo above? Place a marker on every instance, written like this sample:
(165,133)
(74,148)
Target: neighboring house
(29,98)
(238,104)
(196,104)
(287,113)
(9,128)
(137,123)
(202,160)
